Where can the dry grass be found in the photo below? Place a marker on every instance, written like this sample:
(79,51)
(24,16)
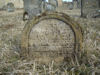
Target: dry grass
(86,63)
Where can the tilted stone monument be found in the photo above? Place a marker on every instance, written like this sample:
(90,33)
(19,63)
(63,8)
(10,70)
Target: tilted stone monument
(90,8)
(36,7)
(32,7)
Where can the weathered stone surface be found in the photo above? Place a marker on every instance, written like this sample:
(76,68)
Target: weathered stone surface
(10,7)
(36,7)
(49,35)
(32,7)
(51,5)
(60,3)
(90,8)
(52,35)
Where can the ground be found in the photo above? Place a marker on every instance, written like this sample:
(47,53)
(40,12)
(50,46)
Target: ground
(11,26)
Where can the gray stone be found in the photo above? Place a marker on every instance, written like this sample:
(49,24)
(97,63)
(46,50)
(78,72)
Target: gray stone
(32,7)
(75,4)
(10,7)
(49,5)
(36,7)
(71,6)
(90,8)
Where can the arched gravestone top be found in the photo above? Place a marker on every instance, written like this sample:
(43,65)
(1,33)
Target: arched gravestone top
(51,35)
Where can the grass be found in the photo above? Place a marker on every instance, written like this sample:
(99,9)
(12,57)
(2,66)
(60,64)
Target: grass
(86,62)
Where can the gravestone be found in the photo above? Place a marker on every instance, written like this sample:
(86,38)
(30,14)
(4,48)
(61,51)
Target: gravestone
(32,7)
(50,36)
(90,8)
(10,7)
(49,5)
(75,4)
(36,7)
(60,2)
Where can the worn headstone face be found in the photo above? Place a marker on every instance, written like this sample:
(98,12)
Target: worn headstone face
(52,35)
(90,8)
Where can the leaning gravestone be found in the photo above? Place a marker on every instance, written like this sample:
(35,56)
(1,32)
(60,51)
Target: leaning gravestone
(36,7)
(32,7)
(90,8)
